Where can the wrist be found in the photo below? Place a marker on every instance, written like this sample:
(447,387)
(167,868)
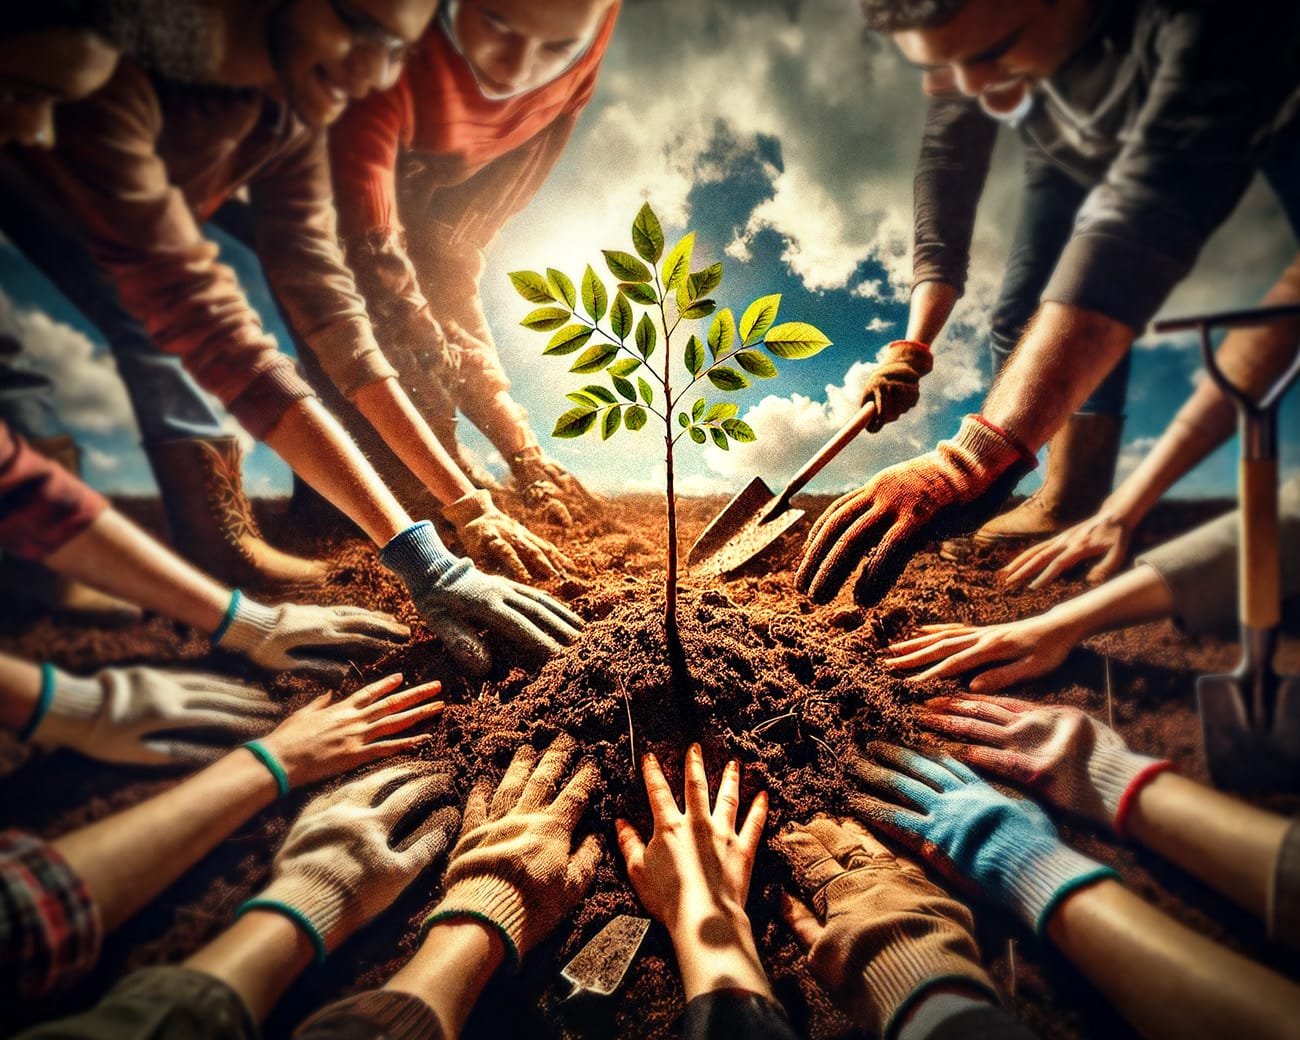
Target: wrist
(449,970)
(273,762)
(716,950)
(245,625)
(1041,879)
(38,715)
(417,554)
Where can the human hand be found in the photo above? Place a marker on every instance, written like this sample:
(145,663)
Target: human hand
(551,489)
(1105,535)
(514,866)
(499,542)
(1004,848)
(296,638)
(1034,646)
(950,489)
(339,868)
(451,595)
(879,934)
(327,738)
(894,384)
(1075,762)
(147,717)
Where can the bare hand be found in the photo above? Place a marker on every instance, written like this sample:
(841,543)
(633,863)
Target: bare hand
(1102,535)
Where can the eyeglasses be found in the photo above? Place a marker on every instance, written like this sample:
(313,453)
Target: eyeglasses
(367,30)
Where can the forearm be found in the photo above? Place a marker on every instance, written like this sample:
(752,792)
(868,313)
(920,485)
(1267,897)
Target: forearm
(115,556)
(20,688)
(386,407)
(128,858)
(1228,844)
(450,969)
(1165,979)
(929,310)
(258,957)
(1062,357)
(318,450)
(715,950)
(1135,597)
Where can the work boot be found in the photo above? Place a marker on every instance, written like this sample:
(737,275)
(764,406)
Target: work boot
(211,520)
(1080,469)
(50,591)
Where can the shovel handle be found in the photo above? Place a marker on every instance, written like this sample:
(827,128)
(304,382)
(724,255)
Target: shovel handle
(1258,554)
(828,451)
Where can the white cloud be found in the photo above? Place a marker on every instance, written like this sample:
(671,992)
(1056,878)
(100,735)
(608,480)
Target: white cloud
(878,324)
(100,460)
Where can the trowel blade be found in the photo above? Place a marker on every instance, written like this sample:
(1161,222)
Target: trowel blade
(599,966)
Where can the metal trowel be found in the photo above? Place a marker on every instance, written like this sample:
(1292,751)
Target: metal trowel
(1250,717)
(599,966)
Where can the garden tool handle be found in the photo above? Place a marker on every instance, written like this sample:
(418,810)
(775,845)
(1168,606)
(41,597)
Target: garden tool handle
(827,452)
(1259,553)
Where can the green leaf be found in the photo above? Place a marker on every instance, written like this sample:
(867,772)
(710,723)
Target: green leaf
(635,418)
(677,264)
(700,309)
(574,423)
(683,419)
(722,333)
(562,285)
(739,430)
(599,393)
(694,355)
(532,286)
(593,359)
(719,438)
(721,411)
(609,425)
(697,435)
(582,400)
(646,336)
(727,379)
(625,267)
(701,283)
(545,319)
(796,339)
(756,364)
(620,318)
(640,291)
(594,296)
(568,339)
(624,387)
(648,235)
(758,318)
(625,366)
(697,410)
(647,394)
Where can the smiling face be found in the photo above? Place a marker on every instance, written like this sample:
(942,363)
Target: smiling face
(515,46)
(38,70)
(994,50)
(329,51)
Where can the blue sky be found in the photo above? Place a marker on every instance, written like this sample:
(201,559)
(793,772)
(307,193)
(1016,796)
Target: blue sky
(784,138)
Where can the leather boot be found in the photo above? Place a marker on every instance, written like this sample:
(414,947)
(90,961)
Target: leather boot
(50,591)
(1080,469)
(211,520)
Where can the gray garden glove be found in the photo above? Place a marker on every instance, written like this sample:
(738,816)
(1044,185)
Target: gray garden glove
(296,638)
(338,868)
(452,596)
(500,543)
(138,716)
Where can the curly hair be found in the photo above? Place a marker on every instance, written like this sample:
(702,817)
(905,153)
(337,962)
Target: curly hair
(901,15)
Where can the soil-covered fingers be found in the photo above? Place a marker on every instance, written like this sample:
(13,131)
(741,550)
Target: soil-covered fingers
(476,806)
(928,634)
(964,655)
(497,555)
(582,866)
(812,864)
(543,559)
(802,921)
(1029,562)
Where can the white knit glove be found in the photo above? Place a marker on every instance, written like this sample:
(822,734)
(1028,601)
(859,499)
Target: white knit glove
(337,870)
(295,638)
(118,714)
(497,542)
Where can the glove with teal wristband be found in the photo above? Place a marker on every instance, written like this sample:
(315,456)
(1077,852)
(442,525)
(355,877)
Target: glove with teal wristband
(1007,848)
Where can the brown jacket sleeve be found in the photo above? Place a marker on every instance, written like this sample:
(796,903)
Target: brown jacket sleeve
(107,172)
(297,242)
(377,1014)
(42,505)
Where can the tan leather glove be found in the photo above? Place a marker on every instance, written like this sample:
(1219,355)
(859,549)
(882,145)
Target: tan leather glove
(514,866)
(496,542)
(887,935)
(894,385)
(551,489)
(338,869)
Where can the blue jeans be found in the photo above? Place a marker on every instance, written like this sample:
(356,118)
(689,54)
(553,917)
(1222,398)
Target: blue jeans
(168,404)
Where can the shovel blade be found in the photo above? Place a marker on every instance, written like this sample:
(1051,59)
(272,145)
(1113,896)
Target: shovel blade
(1247,754)
(749,503)
(599,966)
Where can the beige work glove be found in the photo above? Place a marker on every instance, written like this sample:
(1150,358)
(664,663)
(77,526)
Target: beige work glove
(295,638)
(895,384)
(338,868)
(882,935)
(140,716)
(514,866)
(552,490)
(497,542)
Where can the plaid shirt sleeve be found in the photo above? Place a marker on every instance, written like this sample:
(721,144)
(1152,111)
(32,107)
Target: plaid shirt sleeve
(50,931)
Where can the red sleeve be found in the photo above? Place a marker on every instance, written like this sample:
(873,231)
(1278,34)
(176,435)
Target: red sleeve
(363,147)
(42,505)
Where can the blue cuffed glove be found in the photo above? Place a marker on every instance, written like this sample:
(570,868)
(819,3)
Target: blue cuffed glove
(1007,848)
(454,599)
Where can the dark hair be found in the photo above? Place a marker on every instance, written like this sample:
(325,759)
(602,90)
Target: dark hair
(22,18)
(900,15)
